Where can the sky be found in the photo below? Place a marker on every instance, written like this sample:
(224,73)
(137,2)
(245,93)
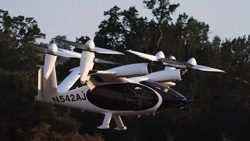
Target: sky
(75,18)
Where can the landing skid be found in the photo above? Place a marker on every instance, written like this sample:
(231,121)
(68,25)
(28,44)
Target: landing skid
(117,119)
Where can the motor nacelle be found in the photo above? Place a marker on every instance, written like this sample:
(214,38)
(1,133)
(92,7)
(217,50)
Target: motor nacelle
(86,64)
(50,60)
(130,70)
(165,75)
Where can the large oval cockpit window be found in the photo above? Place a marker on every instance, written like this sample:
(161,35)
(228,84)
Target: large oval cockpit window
(125,96)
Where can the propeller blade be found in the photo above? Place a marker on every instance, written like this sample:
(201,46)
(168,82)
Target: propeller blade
(106,51)
(97,60)
(68,54)
(172,62)
(205,68)
(77,45)
(175,63)
(37,47)
(184,65)
(87,47)
(59,52)
(194,64)
(144,55)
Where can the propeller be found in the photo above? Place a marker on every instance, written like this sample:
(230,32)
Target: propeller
(172,62)
(69,54)
(87,58)
(90,46)
(51,55)
(54,50)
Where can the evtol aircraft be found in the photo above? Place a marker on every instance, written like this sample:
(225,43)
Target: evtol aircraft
(121,91)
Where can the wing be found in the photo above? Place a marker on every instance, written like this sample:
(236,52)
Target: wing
(98,78)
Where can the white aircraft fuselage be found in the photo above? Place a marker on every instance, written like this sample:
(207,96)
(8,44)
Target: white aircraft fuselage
(112,100)
(122,99)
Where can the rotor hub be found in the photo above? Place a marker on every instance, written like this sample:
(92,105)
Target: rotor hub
(53,48)
(91,44)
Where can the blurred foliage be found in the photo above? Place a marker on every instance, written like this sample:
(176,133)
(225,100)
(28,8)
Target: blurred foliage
(44,132)
(225,115)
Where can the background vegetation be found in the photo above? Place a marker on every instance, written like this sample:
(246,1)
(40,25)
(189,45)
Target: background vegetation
(225,117)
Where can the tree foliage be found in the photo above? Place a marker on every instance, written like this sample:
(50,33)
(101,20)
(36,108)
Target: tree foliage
(20,117)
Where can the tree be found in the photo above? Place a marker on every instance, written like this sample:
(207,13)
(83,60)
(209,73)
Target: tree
(17,70)
(111,30)
(61,44)
(18,74)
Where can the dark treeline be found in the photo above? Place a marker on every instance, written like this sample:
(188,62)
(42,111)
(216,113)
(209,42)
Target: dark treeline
(225,114)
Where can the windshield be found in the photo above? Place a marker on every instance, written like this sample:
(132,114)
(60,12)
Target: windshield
(156,86)
(162,89)
(171,98)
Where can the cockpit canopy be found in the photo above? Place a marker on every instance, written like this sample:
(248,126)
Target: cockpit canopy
(170,97)
(123,96)
(166,92)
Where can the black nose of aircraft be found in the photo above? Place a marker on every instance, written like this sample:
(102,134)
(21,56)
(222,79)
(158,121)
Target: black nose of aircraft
(171,99)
